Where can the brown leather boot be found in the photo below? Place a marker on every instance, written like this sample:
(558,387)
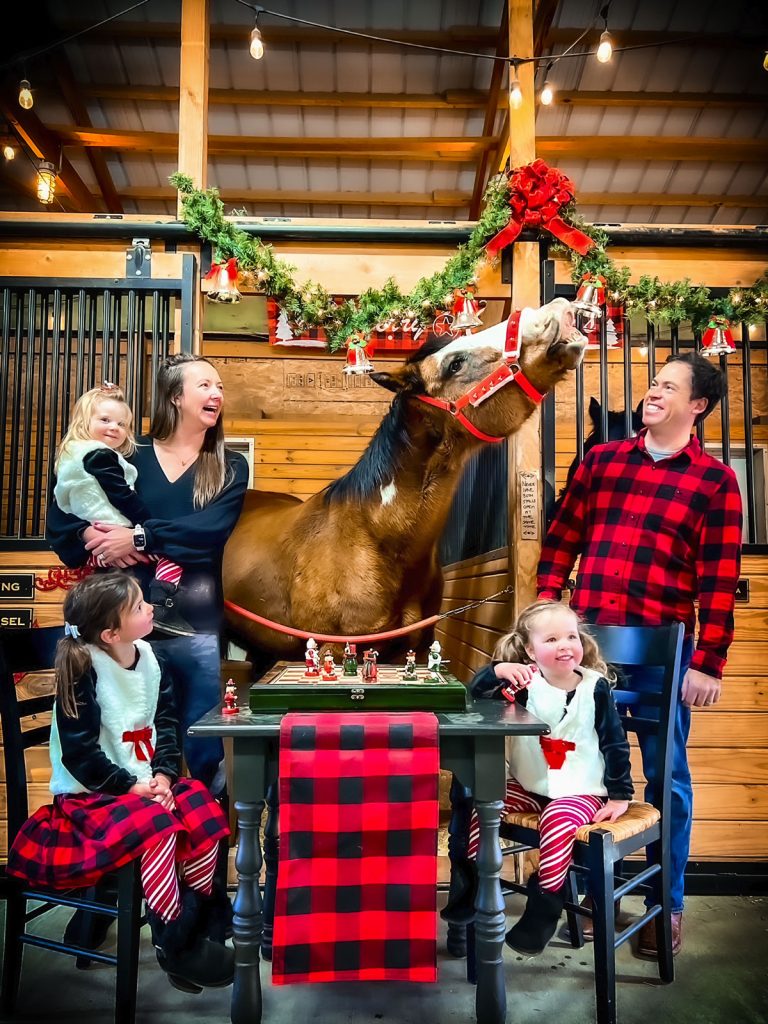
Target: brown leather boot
(646,938)
(587,926)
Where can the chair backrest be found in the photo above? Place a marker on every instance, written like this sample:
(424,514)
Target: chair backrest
(23,650)
(648,708)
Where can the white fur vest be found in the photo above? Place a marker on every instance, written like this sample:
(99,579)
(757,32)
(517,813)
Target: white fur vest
(127,699)
(583,769)
(80,494)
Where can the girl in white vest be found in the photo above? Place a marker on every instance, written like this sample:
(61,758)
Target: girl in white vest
(117,795)
(579,773)
(95,482)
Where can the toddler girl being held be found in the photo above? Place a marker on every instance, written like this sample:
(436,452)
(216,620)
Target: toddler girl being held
(95,482)
(116,792)
(578,774)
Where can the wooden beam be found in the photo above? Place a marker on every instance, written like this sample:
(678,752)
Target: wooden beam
(451,99)
(235,196)
(192,139)
(653,148)
(687,100)
(497,76)
(77,107)
(44,144)
(561,37)
(670,199)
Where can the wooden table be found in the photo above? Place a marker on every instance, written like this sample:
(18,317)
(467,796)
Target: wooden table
(471,746)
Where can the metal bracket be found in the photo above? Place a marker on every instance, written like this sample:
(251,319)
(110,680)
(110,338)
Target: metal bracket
(137,259)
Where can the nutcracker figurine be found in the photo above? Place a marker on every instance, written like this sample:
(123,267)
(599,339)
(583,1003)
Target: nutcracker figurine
(329,668)
(312,660)
(435,660)
(230,699)
(409,672)
(370,671)
(350,659)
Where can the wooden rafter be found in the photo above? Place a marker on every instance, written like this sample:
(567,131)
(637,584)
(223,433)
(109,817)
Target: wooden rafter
(689,100)
(497,76)
(562,37)
(77,107)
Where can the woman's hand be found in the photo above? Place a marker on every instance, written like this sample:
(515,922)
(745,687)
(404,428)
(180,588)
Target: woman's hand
(112,545)
(612,810)
(514,674)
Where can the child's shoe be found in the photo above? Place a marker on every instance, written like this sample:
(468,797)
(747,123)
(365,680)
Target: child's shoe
(533,931)
(167,619)
(460,908)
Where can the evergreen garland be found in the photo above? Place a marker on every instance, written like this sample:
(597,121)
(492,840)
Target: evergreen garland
(311,305)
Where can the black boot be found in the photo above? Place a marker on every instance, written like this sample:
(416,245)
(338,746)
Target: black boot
(538,924)
(460,908)
(216,910)
(162,595)
(190,961)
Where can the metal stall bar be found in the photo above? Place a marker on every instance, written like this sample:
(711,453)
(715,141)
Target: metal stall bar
(29,380)
(746,363)
(548,407)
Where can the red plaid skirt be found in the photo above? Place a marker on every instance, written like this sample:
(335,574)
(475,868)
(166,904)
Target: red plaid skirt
(76,840)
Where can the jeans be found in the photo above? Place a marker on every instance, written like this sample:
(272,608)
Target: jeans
(681,806)
(194,663)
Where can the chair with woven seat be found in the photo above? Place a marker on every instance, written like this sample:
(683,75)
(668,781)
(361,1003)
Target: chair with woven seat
(32,650)
(599,849)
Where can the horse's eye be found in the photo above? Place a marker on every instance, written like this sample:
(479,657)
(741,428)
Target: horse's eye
(455,365)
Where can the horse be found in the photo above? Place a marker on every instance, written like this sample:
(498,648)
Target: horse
(617,430)
(360,556)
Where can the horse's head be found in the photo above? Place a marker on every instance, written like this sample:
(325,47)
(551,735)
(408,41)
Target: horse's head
(550,347)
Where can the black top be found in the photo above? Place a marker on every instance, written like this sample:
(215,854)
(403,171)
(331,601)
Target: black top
(84,759)
(103,463)
(611,737)
(193,538)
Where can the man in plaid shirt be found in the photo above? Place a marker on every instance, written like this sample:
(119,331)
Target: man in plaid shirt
(657,523)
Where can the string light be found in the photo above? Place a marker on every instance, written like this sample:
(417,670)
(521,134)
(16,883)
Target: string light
(548,90)
(46,182)
(25,95)
(8,151)
(515,92)
(605,46)
(256,47)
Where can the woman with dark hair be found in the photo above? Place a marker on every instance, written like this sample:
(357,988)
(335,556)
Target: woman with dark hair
(193,489)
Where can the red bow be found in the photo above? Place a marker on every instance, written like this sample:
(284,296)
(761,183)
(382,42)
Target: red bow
(554,750)
(142,743)
(228,270)
(537,194)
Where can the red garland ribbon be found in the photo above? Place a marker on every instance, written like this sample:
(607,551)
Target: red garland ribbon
(537,194)
(60,578)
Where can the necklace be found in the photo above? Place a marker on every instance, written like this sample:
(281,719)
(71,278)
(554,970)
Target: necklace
(184,461)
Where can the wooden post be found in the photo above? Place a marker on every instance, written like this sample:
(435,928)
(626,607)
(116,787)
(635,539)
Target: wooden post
(193,111)
(525,446)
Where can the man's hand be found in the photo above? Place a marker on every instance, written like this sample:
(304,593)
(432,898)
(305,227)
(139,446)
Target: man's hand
(613,809)
(700,690)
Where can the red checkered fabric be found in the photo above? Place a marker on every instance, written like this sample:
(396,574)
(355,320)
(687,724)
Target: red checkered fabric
(357,873)
(652,536)
(76,840)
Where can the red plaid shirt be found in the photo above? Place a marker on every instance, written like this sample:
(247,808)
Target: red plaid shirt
(653,537)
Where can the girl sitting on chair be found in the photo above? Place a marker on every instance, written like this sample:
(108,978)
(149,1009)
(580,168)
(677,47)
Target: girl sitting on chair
(117,795)
(579,773)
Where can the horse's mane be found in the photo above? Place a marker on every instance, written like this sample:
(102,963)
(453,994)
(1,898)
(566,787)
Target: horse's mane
(380,460)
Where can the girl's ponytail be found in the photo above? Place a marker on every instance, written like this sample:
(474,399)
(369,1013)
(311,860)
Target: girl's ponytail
(73,659)
(511,648)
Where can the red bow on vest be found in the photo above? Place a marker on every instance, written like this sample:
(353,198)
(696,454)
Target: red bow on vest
(554,750)
(142,743)
(537,195)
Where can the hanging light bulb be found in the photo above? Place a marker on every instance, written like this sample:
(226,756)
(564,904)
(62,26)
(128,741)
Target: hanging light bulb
(765,61)
(515,92)
(605,48)
(257,44)
(25,94)
(547,94)
(8,151)
(46,182)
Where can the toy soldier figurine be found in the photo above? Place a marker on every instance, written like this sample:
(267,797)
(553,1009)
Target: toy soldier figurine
(230,699)
(311,660)
(434,660)
(409,672)
(370,672)
(350,659)
(329,668)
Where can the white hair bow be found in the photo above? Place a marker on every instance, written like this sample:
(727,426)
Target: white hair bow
(71,630)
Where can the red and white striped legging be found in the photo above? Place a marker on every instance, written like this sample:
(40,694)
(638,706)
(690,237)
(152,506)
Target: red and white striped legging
(559,821)
(164,570)
(161,875)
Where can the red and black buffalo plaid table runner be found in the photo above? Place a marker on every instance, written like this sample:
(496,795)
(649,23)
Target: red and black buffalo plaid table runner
(357,872)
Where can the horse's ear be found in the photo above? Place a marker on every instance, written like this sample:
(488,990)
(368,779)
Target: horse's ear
(386,380)
(404,378)
(594,411)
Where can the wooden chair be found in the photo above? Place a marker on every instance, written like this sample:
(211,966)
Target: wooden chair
(600,849)
(32,650)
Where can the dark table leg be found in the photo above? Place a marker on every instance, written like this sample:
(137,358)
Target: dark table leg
(271,848)
(458,839)
(247,921)
(490,921)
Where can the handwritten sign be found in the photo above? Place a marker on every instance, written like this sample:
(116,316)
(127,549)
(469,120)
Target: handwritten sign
(529,505)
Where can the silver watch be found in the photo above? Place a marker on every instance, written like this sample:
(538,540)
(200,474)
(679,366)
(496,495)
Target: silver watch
(139,537)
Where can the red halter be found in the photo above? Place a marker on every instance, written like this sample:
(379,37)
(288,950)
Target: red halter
(504,374)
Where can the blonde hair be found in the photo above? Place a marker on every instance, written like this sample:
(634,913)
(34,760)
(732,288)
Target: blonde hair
(82,414)
(211,471)
(512,647)
(96,603)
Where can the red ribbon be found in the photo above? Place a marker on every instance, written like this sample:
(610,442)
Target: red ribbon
(718,323)
(554,750)
(229,268)
(537,194)
(142,743)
